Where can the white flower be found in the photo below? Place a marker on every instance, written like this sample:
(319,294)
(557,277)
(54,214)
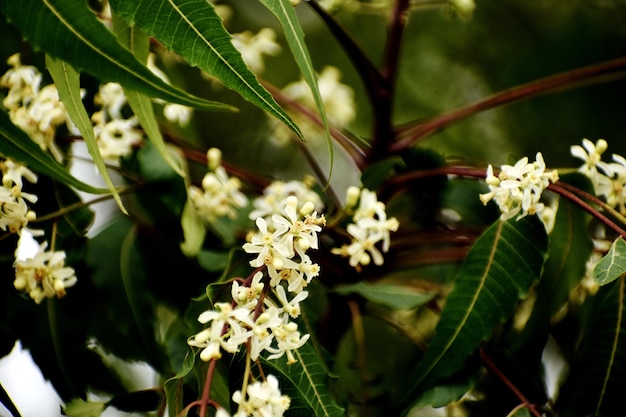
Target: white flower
(291,307)
(517,189)
(177,113)
(229,330)
(263,399)
(370,226)
(275,196)
(112,99)
(253,47)
(613,188)
(14,211)
(44,275)
(117,138)
(592,156)
(263,330)
(337,98)
(288,339)
(22,81)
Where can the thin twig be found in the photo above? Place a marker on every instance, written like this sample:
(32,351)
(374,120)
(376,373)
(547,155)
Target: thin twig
(493,368)
(597,73)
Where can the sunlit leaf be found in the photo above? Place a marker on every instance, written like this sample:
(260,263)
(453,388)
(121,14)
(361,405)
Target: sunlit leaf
(286,14)
(612,265)
(306,382)
(81,408)
(16,144)
(173,386)
(498,271)
(391,295)
(69,31)
(137,41)
(193,230)
(67,82)
(193,29)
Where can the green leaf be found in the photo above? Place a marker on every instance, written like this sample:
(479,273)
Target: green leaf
(173,386)
(81,408)
(612,265)
(390,295)
(137,41)
(521,411)
(498,271)
(69,31)
(193,230)
(286,14)
(570,247)
(601,365)
(193,29)
(16,144)
(306,383)
(66,79)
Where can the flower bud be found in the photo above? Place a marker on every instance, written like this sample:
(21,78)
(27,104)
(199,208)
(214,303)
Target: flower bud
(214,158)
(307,208)
(352,196)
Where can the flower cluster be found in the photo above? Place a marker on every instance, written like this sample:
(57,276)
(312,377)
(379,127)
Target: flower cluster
(263,399)
(116,135)
(44,275)
(608,179)
(219,195)
(370,226)
(14,211)
(34,109)
(338,100)
(255,315)
(517,188)
(275,197)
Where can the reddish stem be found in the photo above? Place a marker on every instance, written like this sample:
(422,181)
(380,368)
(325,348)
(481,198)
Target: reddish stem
(410,135)
(206,392)
(493,368)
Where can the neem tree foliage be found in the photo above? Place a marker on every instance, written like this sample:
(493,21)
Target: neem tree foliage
(284,240)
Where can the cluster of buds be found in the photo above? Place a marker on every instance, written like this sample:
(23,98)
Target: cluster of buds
(44,275)
(34,109)
(14,211)
(116,135)
(219,195)
(370,226)
(608,178)
(517,188)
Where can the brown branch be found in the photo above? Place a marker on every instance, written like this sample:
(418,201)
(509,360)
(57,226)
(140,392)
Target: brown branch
(494,369)
(597,73)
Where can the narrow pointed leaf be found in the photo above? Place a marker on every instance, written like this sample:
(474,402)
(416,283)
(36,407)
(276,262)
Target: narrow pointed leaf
(137,41)
(16,144)
(613,264)
(306,382)
(286,15)
(67,82)
(69,31)
(566,264)
(193,29)
(173,386)
(599,370)
(501,266)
